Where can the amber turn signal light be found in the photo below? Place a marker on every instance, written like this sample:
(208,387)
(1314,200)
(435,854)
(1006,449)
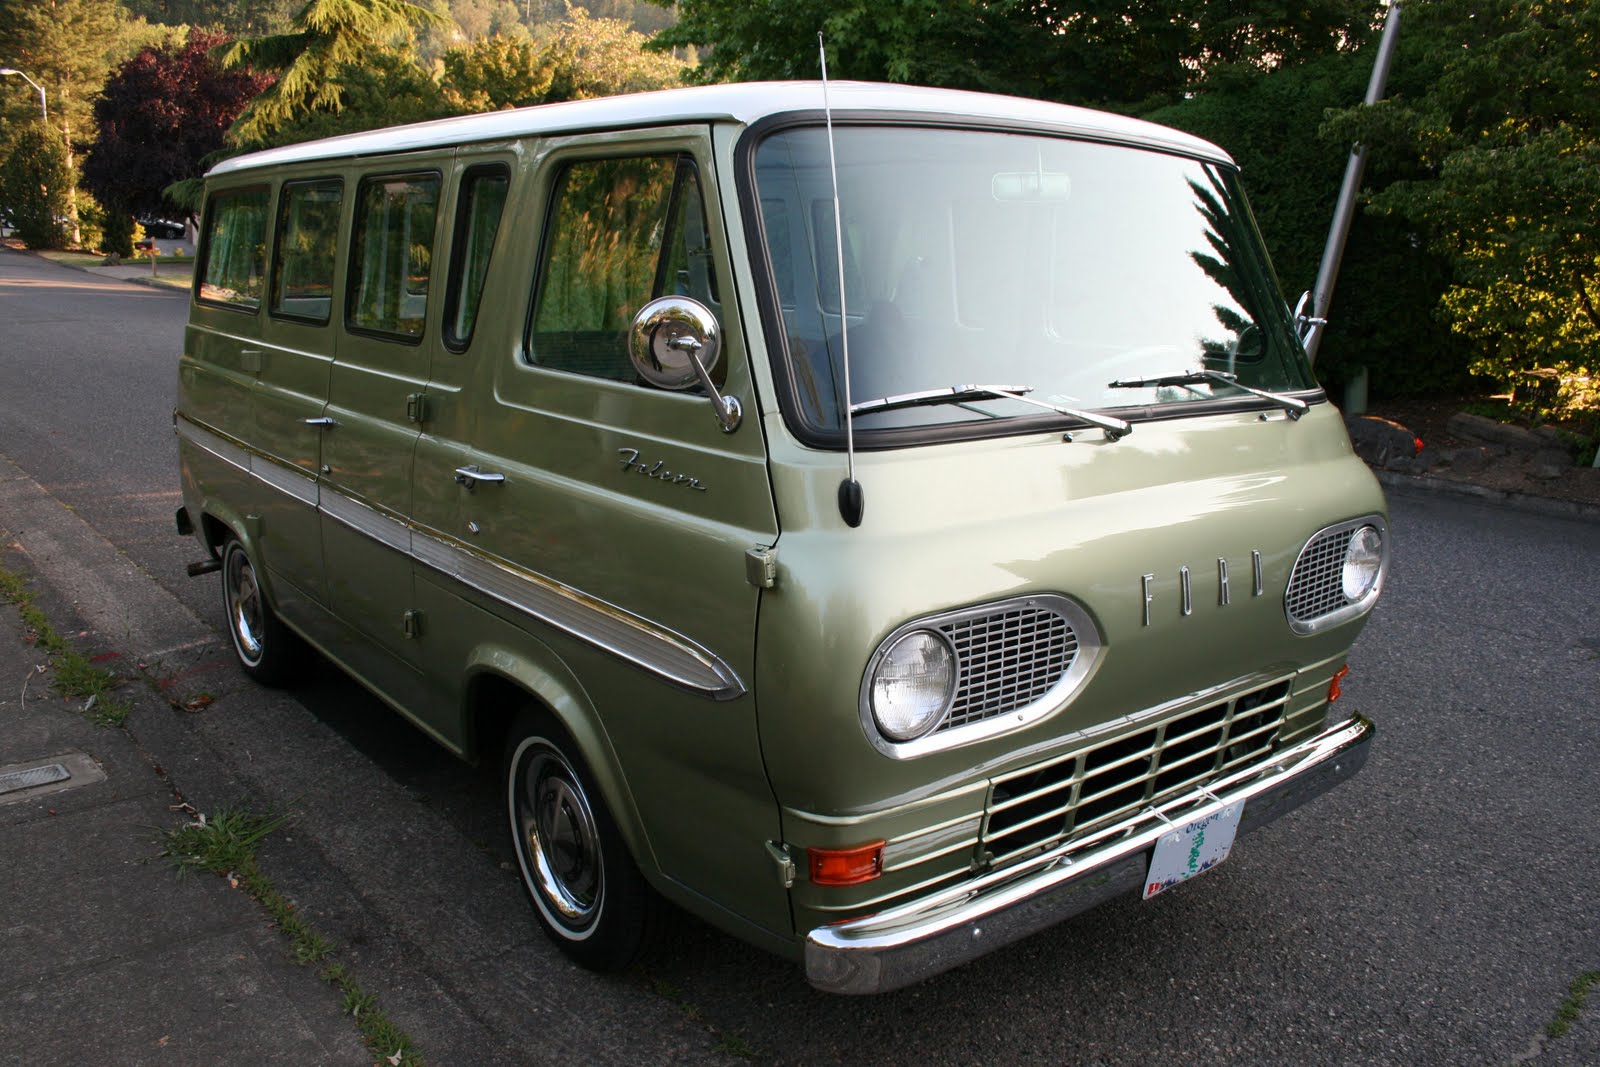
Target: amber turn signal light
(845,866)
(1336,687)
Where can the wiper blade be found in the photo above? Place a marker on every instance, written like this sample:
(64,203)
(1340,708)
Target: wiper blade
(956,394)
(1293,405)
(953,394)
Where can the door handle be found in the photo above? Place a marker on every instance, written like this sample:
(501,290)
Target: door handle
(470,476)
(322,423)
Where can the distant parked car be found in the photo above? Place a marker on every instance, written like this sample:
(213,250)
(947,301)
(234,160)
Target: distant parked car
(163,228)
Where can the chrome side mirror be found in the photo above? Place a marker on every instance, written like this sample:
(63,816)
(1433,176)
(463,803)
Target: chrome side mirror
(1304,323)
(674,344)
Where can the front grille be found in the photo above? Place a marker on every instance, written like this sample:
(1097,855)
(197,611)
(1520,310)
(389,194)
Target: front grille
(1007,660)
(1316,587)
(1040,806)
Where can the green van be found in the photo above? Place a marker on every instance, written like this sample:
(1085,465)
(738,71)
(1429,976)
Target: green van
(883,526)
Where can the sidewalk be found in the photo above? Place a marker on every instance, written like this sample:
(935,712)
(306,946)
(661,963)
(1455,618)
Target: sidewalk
(106,954)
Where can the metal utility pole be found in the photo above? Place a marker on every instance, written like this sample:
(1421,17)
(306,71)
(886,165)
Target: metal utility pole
(1344,211)
(44,108)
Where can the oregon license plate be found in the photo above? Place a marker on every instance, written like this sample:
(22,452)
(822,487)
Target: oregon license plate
(1190,848)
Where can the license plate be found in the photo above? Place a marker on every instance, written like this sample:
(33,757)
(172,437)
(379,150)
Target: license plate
(1191,848)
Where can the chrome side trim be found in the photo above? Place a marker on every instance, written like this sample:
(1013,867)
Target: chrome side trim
(654,648)
(647,645)
(218,446)
(297,483)
(385,529)
(924,937)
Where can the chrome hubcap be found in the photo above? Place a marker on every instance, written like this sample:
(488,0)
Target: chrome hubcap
(244,605)
(560,845)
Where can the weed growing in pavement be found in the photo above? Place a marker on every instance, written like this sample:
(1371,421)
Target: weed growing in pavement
(75,677)
(225,845)
(1568,1011)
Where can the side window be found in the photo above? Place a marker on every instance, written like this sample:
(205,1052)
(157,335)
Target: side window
(620,233)
(391,255)
(234,249)
(307,242)
(483,198)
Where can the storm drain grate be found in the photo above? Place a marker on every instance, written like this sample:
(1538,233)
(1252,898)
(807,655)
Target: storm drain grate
(50,773)
(24,782)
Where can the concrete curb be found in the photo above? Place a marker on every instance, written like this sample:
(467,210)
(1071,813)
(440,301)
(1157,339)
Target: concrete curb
(434,925)
(1421,484)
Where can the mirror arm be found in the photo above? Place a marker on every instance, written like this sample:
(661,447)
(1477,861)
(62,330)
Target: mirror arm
(729,413)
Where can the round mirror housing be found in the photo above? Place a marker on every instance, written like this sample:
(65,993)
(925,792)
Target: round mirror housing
(670,336)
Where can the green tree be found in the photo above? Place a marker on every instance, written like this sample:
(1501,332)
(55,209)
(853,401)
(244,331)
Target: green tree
(68,47)
(330,40)
(602,57)
(1124,53)
(34,181)
(1499,151)
(236,18)
(387,88)
(1389,278)
(496,72)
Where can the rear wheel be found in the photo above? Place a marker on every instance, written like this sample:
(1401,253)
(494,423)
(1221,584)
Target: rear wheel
(267,651)
(591,899)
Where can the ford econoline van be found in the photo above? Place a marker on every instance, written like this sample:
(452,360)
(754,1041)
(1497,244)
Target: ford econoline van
(883,525)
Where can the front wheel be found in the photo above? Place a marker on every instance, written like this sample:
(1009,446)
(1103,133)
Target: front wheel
(591,899)
(267,651)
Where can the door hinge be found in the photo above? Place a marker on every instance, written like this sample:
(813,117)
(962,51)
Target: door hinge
(779,855)
(411,624)
(761,566)
(417,407)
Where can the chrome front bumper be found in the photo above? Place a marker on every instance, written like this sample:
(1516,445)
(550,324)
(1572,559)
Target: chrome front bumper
(932,934)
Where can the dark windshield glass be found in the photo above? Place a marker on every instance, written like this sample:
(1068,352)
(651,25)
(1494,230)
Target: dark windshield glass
(974,256)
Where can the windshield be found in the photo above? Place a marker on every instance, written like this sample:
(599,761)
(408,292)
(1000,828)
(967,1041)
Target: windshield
(1059,266)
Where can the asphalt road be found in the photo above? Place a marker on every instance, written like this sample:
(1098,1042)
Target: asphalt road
(1434,910)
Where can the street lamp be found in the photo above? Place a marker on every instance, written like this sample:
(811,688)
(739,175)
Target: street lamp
(43,108)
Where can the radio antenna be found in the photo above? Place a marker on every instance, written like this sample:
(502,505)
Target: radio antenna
(851,500)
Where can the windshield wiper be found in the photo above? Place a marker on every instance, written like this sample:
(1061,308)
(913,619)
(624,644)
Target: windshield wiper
(956,394)
(1293,405)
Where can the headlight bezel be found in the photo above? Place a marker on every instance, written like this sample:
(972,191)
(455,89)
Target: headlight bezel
(1045,699)
(1316,576)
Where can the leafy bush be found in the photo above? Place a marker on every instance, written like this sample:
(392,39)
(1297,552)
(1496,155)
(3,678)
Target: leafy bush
(33,185)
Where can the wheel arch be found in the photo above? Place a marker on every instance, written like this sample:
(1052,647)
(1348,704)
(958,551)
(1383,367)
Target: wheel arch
(501,682)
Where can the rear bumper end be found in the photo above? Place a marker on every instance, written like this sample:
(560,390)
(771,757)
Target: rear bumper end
(917,940)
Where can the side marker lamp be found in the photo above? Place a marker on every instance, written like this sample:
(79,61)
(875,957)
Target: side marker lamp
(845,866)
(1336,687)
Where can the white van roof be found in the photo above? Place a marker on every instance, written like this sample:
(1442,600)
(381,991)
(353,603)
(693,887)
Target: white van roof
(743,103)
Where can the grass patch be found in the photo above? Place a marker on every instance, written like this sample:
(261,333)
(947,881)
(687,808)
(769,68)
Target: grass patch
(1568,1010)
(74,676)
(73,259)
(225,845)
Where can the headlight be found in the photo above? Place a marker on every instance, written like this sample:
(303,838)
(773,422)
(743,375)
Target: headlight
(1361,562)
(1338,575)
(913,685)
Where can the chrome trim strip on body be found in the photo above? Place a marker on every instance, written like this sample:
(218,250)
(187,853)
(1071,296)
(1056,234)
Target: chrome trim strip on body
(645,644)
(388,530)
(632,638)
(298,483)
(924,937)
